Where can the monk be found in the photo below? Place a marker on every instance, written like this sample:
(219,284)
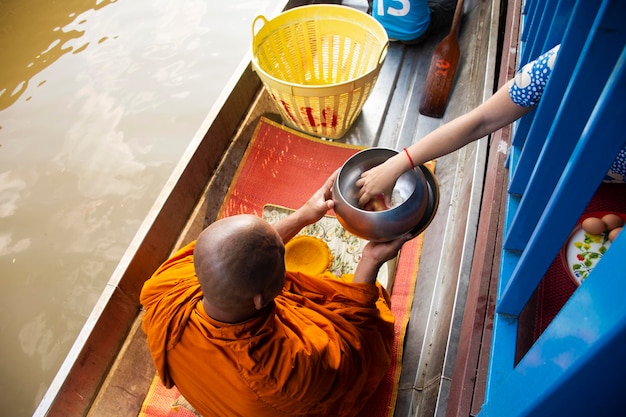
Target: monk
(240,336)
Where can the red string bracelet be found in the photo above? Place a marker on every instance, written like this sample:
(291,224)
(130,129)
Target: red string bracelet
(410,159)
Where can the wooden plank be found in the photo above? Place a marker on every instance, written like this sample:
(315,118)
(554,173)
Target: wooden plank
(367,127)
(125,388)
(465,389)
(477,298)
(83,369)
(449,241)
(483,344)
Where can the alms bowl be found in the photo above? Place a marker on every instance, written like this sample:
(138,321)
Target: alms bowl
(411,194)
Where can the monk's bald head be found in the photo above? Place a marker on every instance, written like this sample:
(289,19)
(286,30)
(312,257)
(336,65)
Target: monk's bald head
(238,257)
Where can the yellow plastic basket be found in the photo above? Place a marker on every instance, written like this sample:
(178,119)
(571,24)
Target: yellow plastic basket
(319,63)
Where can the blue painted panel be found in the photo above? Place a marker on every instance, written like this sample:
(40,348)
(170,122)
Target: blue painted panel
(576,32)
(572,192)
(539,29)
(504,336)
(598,57)
(582,19)
(559,23)
(530,11)
(523,127)
(585,341)
(576,367)
(502,355)
(509,259)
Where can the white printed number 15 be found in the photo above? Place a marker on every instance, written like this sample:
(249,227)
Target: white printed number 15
(403,11)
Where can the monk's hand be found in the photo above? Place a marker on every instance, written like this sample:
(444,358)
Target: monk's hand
(377,182)
(374,255)
(320,202)
(381,252)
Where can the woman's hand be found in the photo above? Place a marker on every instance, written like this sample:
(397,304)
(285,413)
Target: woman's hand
(379,180)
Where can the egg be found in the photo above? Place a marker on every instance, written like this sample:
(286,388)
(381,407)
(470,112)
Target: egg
(613,233)
(593,226)
(612,221)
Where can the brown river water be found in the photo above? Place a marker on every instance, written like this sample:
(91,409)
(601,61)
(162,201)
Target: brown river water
(98,101)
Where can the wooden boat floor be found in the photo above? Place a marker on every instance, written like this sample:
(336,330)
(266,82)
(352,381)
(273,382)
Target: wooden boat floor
(390,119)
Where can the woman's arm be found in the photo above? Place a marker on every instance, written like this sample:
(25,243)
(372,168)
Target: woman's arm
(495,113)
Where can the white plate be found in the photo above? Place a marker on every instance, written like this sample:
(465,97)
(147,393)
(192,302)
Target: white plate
(582,253)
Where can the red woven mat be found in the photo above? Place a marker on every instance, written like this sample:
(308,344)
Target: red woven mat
(284,167)
(556,287)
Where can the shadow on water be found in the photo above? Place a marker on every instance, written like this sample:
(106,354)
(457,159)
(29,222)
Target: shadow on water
(32,41)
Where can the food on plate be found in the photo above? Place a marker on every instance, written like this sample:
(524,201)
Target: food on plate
(612,221)
(594,226)
(613,233)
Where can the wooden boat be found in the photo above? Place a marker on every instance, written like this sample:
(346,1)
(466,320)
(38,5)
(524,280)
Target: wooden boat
(445,364)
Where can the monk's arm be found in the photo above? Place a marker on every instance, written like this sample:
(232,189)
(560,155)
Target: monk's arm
(374,255)
(313,210)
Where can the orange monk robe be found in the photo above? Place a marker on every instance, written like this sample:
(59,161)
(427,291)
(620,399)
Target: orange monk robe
(320,349)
